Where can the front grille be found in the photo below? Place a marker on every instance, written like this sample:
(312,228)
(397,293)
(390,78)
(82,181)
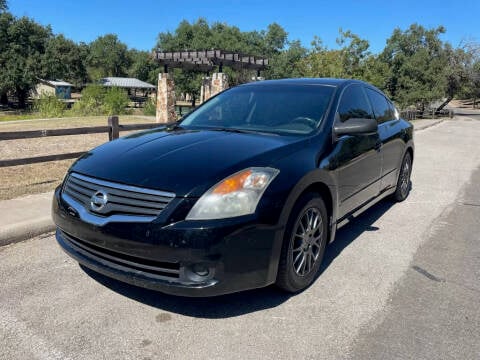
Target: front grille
(116,198)
(158,269)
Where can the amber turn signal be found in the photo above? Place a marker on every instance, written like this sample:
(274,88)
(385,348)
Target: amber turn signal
(233,183)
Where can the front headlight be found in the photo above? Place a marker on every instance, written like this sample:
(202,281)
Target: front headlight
(236,195)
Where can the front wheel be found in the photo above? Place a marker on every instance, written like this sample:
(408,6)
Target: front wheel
(403,182)
(304,244)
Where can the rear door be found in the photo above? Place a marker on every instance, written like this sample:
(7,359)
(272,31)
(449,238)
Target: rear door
(390,132)
(358,158)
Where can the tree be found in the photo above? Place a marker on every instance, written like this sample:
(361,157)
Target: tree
(63,59)
(22,45)
(470,85)
(354,53)
(349,61)
(417,60)
(287,63)
(322,62)
(107,57)
(3,5)
(142,66)
(275,39)
(456,72)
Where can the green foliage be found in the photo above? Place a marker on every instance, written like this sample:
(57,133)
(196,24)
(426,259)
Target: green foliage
(150,107)
(3,5)
(350,61)
(91,102)
(115,101)
(286,63)
(417,60)
(97,100)
(143,66)
(49,106)
(107,57)
(63,59)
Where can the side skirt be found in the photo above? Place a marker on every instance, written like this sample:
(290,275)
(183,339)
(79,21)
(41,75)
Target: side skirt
(355,213)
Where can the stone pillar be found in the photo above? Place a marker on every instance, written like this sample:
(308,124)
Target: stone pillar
(205,90)
(219,83)
(165,99)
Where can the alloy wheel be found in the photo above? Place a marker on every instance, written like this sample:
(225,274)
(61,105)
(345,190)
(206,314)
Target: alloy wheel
(307,241)
(405,176)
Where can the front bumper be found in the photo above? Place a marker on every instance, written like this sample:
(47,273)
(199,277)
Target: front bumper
(188,258)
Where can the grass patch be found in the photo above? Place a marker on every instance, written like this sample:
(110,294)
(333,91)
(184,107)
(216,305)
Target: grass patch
(32,179)
(15,117)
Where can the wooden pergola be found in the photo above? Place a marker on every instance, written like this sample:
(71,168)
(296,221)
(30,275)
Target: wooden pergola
(208,60)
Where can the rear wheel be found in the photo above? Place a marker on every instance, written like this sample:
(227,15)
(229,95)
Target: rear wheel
(304,244)
(403,182)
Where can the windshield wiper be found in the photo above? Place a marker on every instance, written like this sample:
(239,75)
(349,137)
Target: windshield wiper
(241,131)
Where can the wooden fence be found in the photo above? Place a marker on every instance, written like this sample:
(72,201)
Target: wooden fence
(427,114)
(113,129)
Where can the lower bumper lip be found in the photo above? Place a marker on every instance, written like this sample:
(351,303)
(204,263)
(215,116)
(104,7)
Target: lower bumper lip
(147,279)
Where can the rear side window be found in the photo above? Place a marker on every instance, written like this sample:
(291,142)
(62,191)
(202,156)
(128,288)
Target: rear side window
(382,109)
(354,104)
(393,109)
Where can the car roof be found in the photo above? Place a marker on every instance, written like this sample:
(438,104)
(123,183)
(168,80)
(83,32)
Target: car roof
(305,81)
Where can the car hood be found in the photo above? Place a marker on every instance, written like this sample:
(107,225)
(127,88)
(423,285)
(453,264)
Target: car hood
(186,162)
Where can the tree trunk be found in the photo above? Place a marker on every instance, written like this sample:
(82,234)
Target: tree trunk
(445,103)
(22,98)
(4,99)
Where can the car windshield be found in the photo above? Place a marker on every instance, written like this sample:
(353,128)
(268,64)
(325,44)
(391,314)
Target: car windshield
(278,109)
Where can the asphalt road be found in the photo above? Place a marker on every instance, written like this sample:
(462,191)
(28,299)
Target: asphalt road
(402,281)
(473,114)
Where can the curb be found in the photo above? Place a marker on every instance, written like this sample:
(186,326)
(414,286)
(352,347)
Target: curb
(25,217)
(25,230)
(426,126)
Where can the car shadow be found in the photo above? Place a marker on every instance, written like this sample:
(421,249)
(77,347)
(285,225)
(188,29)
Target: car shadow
(348,233)
(245,302)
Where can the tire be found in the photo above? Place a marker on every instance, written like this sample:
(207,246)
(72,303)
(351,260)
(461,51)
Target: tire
(302,251)
(403,182)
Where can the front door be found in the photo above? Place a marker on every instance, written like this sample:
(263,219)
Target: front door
(357,157)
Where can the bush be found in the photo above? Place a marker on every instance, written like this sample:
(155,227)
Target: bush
(97,100)
(115,101)
(49,106)
(150,107)
(91,101)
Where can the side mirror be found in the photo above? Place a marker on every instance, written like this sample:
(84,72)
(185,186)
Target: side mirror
(355,127)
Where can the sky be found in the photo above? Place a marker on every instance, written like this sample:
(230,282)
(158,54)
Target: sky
(138,22)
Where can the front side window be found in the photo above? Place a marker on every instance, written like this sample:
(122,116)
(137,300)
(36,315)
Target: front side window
(354,104)
(290,109)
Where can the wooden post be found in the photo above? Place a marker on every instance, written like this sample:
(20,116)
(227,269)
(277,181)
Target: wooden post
(113,128)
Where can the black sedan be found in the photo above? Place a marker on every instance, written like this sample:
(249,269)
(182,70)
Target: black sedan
(245,191)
